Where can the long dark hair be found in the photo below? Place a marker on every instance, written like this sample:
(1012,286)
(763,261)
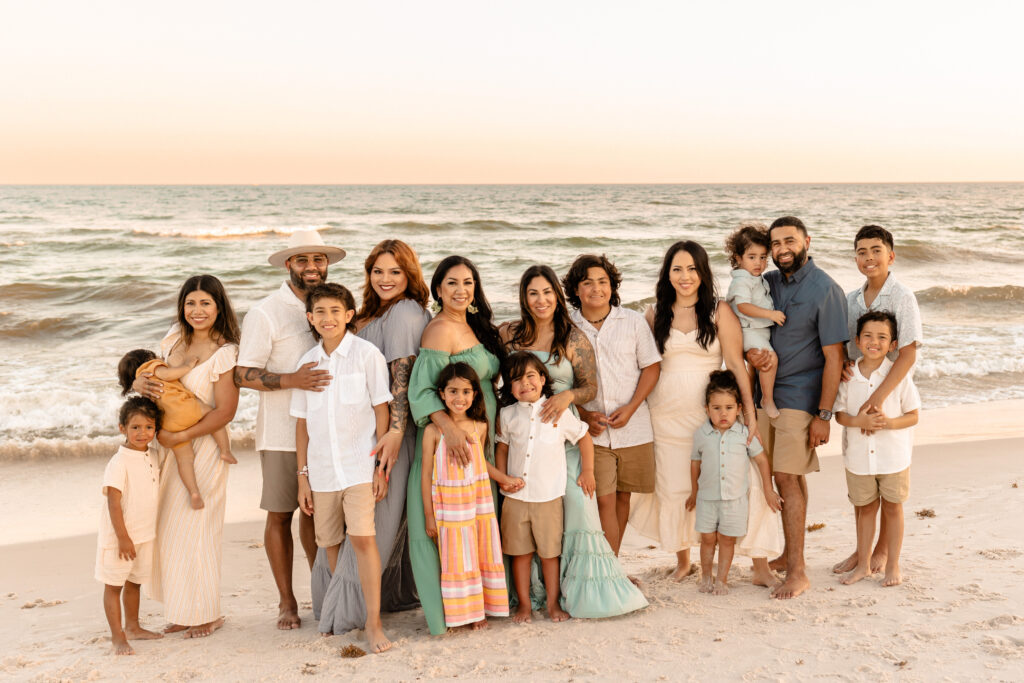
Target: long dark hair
(481,322)
(225,327)
(478,408)
(665,296)
(524,332)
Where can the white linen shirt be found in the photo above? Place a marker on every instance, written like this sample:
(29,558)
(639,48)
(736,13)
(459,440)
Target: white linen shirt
(136,476)
(623,347)
(749,289)
(536,449)
(896,298)
(275,334)
(340,420)
(887,451)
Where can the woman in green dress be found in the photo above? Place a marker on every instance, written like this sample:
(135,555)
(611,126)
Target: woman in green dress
(462,331)
(593,583)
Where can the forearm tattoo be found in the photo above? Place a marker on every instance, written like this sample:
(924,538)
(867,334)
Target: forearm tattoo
(400,369)
(257,378)
(584,366)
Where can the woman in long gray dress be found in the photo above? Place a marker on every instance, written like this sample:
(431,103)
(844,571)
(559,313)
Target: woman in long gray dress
(392,318)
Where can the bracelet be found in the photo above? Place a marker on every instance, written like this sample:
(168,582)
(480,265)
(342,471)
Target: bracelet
(304,472)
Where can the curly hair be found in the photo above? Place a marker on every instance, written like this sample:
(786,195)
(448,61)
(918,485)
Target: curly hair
(746,235)
(578,273)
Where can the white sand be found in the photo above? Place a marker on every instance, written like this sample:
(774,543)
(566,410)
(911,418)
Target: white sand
(959,614)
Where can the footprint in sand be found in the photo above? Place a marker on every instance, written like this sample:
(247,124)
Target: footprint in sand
(1000,553)
(975,591)
(1005,646)
(1002,621)
(39,602)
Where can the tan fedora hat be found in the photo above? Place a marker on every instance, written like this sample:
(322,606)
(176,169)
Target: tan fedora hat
(306,242)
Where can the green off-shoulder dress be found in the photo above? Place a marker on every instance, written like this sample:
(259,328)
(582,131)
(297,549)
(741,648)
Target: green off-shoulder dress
(424,400)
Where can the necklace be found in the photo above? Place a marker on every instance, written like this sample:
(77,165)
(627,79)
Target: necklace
(598,321)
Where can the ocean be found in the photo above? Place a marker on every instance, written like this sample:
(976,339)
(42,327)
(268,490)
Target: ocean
(91,272)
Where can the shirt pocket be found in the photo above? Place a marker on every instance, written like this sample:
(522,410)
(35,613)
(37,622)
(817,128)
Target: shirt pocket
(352,388)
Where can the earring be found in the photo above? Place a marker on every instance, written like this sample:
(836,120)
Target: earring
(435,307)
(472,309)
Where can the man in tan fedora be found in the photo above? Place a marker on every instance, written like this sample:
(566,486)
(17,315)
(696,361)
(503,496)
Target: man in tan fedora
(275,335)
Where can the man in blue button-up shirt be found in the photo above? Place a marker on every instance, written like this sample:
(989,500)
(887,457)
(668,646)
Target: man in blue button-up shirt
(810,352)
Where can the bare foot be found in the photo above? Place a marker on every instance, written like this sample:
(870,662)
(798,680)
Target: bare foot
(893,576)
(856,575)
(763,577)
(878,561)
(706,585)
(480,625)
(556,613)
(326,635)
(680,573)
(770,408)
(635,580)
(204,630)
(288,618)
(795,584)
(228,458)
(523,615)
(720,588)
(377,640)
(196,501)
(139,633)
(121,647)
(847,565)
(778,564)
(175,628)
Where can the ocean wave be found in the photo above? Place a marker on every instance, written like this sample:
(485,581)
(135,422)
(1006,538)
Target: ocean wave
(485,225)
(659,202)
(226,232)
(21,219)
(554,224)
(1006,295)
(149,217)
(933,368)
(16,327)
(14,450)
(936,253)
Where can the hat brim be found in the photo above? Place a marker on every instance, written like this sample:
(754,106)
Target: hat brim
(333,254)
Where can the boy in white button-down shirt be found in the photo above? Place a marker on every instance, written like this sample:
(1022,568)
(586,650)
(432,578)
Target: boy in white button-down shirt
(877,443)
(335,433)
(533,452)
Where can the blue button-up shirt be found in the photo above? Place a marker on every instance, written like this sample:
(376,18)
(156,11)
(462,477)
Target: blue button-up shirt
(815,308)
(724,464)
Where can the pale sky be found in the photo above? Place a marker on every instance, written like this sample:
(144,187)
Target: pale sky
(511,92)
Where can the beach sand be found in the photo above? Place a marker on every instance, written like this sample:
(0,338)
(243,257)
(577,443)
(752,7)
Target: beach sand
(959,614)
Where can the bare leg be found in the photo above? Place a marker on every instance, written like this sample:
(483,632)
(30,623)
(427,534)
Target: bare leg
(894,513)
(683,566)
(133,630)
(112,608)
(186,458)
(277,539)
(609,520)
(307,538)
(726,548)
(768,389)
(707,558)
(521,577)
(794,520)
(549,567)
(332,556)
(865,535)
(762,573)
(221,438)
(204,630)
(368,563)
(621,515)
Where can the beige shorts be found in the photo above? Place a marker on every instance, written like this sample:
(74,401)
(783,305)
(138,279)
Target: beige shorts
(787,441)
(280,481)
(628,469)
(531,527)
(335,512)
(114,571)
(866,488)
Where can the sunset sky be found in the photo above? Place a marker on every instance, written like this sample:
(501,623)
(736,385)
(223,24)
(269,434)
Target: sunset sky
(517,92)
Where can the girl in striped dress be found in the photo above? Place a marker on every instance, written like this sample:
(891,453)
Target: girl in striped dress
(459,508)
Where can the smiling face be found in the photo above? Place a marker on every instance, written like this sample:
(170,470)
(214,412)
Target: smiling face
(387,278)
(722,409)
(330,317)
(874,258)
(683,275)
(307,270)
(875,340)
(595,290)
(529,387)
(139,431)
(200,310)
(457,395)
(754,259)
(789,248)
(456,288)
(541,300)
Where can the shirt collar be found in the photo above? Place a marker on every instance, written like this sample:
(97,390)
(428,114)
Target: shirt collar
(289,296)
(342,350)
(124,451)
(739,272)
(532,407)
(709,428)
(884,291)
(882,370)
(802,273)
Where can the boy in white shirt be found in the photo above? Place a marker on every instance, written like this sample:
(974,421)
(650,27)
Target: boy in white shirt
(533,453)
(124,553)
(335,433)
(877,443)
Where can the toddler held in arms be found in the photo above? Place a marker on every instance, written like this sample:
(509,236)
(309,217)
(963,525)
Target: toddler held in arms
(720,470)
(751,300)
(181,409)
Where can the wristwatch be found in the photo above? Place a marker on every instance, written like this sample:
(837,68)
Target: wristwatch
(825,415)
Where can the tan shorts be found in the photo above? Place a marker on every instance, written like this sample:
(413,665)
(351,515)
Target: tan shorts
(531,527)
(866,488)
(624,469)
(280,481)
(350,509)
(787,441)
(114,571)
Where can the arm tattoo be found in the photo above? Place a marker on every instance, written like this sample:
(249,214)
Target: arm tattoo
(584,367)
(257,378)
(400,368)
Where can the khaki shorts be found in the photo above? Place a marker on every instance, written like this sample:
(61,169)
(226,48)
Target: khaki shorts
(624,469)
(114,571)
(866,488)
(350,509)
(531,527)
(787,441)
(280,481)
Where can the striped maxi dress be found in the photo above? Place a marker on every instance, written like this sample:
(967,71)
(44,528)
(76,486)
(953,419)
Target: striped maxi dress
(472,572)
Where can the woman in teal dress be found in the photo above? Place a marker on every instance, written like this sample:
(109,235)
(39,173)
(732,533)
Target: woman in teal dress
(593,583)
(462,331)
